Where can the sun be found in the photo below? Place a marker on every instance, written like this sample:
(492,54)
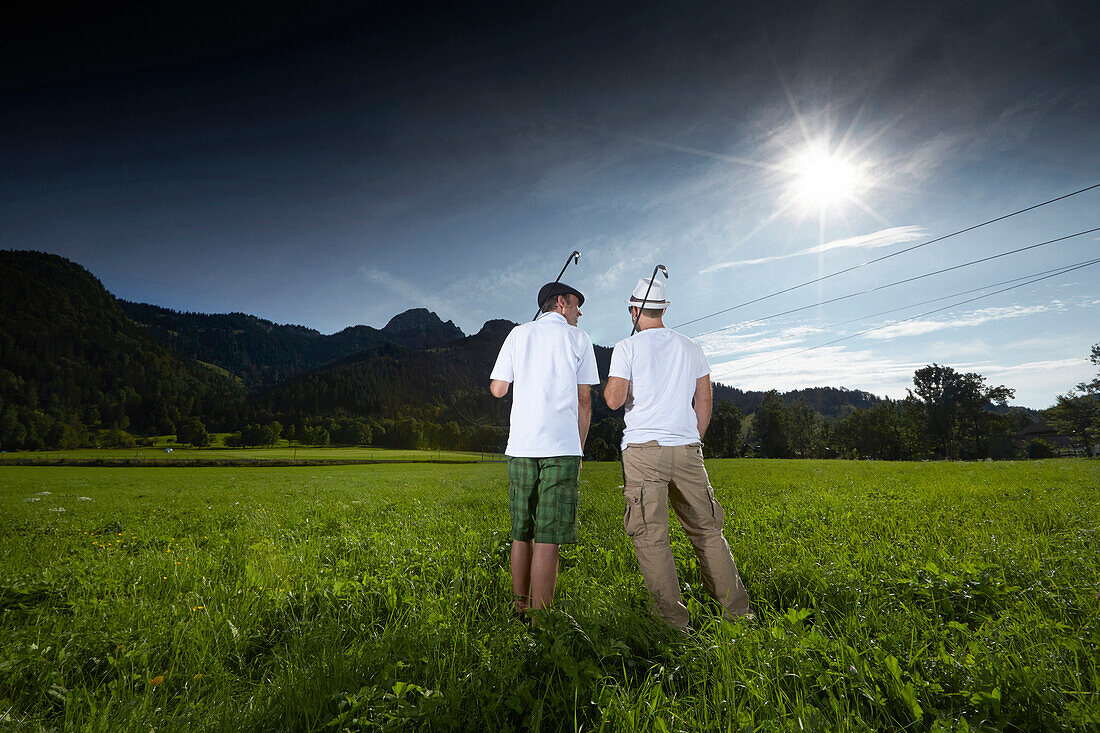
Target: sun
(824,180)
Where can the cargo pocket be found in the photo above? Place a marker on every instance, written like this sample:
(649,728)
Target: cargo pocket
(633,517)
(716,510)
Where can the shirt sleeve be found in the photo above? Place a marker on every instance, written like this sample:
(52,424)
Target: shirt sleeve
(586,369)
(702,366)
(504,369)
(620,361)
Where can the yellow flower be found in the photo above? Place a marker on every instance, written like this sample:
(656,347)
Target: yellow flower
(197,677)
(156,680)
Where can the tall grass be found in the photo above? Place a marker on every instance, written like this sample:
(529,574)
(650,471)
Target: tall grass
(889,596)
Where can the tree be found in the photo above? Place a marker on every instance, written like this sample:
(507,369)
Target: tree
(804,430)
(193,432)
(871,433)
(1039,448)
(604,438)
(956,420)
(723,438)
(314,435)
(1077,416)
(1077,413)
(770,426)
(913,437)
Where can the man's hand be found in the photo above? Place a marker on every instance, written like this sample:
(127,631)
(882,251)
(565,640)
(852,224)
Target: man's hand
(499,387)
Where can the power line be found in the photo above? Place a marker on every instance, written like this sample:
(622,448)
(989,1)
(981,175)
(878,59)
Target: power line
(892,254)
(901,282)
(1057,270)
(1063,271)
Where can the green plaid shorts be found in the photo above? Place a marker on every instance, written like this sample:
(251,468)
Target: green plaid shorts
(542,495)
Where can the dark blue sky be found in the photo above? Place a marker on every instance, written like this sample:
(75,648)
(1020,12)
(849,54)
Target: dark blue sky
(328,165)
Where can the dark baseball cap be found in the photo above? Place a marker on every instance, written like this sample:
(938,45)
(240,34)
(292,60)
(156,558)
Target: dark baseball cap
(552,290)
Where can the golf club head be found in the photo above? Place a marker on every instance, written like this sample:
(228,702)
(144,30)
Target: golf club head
(663,269)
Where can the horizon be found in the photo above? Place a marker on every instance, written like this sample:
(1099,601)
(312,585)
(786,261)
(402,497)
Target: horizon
(329,167)
(467,334)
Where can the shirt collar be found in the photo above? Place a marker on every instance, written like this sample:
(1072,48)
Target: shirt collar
(552,315)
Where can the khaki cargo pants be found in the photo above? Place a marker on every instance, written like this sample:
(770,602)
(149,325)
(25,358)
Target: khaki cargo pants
(654,476)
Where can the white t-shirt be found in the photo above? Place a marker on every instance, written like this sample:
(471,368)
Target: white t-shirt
(662,367)
(545,360)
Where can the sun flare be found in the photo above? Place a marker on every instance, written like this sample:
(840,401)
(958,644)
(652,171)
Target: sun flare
(824,180)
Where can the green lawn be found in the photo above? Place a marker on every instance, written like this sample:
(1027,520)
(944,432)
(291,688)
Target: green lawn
(935,596)
(278,453)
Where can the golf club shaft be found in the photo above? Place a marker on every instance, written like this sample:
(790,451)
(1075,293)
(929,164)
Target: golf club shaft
(645,297)
(574,257)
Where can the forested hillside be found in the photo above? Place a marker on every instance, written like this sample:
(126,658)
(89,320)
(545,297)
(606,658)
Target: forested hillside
(262,353)
(78,367)
(75,370)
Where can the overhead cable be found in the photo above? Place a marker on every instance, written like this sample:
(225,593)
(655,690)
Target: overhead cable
(1063,271)
(1057,270)
(892,254)
(900,282)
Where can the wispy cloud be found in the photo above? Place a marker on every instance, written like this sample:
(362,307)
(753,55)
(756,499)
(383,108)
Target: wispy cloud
(411,295)
(874,240)
(831,366)
(745,339)
(974,318)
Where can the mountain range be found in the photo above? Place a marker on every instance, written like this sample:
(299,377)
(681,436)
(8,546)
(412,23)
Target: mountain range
(74,359)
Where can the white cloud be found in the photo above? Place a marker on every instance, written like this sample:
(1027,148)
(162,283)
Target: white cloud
(874,240)
(973,318)
(729,341)
(411,295)
(785,369)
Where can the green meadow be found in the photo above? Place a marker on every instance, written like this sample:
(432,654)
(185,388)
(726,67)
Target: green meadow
(281,453)
(889,596)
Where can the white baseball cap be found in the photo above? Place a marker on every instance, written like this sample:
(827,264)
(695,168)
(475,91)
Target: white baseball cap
(656,297)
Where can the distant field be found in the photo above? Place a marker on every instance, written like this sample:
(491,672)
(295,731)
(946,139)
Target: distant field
(890,596)
(280,453)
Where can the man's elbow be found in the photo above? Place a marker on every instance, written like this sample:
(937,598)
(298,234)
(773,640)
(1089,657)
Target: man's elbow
(498,388)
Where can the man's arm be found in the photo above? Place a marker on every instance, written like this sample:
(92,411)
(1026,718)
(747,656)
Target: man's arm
(584,403)
(704,403)
(616,391)
(498,387)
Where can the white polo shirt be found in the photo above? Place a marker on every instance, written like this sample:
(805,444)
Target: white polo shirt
(662,367)
(545,360)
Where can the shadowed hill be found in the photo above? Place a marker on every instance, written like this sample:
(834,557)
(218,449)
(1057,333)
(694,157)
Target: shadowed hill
(71,354)
(263,353)
(70,359)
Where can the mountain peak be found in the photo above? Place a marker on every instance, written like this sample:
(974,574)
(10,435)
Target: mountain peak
(496,329)
(420,328)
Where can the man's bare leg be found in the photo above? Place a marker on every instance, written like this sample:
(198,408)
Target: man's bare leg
(521,575)
(544,575)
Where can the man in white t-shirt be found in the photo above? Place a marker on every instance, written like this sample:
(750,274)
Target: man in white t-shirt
(552,364)
(663,379)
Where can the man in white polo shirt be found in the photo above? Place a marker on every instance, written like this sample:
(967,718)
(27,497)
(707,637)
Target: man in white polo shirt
(552,363)
(663,378)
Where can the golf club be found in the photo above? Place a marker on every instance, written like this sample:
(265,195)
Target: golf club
(645,298)
(575,258)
